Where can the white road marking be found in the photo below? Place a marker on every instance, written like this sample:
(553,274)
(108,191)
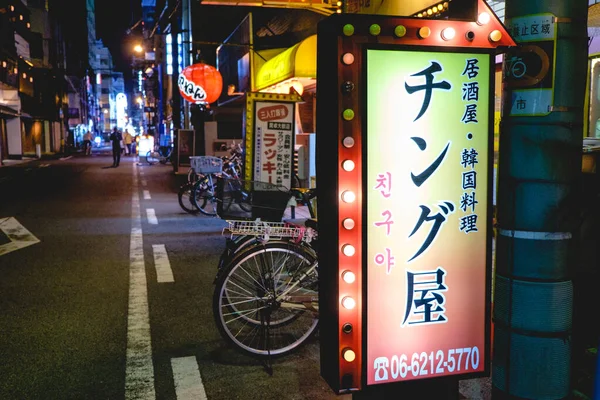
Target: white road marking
(17,234)
(144,183)
(43,165)
(151,216)
(146,195)
(164,273)
(139,370)
(188,382)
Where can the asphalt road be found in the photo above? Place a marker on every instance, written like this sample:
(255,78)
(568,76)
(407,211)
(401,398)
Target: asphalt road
(86,314)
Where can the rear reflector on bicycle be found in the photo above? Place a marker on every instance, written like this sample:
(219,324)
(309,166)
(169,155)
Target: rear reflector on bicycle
(249,200)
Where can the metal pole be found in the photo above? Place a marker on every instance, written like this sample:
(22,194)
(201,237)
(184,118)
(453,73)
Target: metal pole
(186,44)
(540,164)
(175,97)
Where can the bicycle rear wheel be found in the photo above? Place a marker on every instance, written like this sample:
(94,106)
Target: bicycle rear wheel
(245,306)
(152,157)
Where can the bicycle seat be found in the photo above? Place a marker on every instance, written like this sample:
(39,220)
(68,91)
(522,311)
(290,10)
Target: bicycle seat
(307,222)
(312,223)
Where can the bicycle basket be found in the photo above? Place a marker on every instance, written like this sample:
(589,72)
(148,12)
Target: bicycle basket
(249,200)
(206,164)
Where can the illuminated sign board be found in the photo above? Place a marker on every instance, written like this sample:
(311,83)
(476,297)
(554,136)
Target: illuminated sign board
(270,137)
(405,197)
(121,106)
(427,223)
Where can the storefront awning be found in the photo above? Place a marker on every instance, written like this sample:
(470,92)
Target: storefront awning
(299,61)
(6,111)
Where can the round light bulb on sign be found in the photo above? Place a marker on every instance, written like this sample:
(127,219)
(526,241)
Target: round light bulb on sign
(348,58)
(483,18)
(349,277)
(348,142)
(349,355)
(348,223)
(348,250)
(448,33)
(348,302)
(348,165)
(348,196)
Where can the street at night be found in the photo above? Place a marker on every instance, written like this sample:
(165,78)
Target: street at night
(299,200)
(79,321)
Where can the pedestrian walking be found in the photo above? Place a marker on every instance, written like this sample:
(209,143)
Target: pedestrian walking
(116,139)
(87,143)
(127,139)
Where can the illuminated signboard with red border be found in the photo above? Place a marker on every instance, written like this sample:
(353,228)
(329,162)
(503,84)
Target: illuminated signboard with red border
(405,122)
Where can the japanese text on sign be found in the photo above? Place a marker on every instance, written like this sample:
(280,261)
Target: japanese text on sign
(274,143)
(427,164)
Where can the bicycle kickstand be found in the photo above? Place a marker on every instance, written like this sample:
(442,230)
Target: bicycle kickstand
(268,365)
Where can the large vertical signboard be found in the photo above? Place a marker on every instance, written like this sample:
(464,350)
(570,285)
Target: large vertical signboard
(405,138)
(427,227)
(270,136)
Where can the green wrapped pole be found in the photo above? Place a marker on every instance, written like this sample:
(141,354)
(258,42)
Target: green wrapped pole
(539,168)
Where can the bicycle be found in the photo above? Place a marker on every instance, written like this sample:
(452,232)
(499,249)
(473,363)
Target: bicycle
(205,189)
(265,300)
(161,154)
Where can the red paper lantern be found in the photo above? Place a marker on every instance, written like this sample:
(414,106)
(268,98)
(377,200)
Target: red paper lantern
(200,84)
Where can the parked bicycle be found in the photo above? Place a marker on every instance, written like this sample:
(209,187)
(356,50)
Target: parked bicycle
(266,294)
(161,154)
(266,298)
(196,195)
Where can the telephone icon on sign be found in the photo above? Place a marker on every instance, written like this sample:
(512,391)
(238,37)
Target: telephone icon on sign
(381,365)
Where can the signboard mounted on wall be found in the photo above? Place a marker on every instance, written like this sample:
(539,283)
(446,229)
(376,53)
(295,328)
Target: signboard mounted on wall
(530,68)
(405,117)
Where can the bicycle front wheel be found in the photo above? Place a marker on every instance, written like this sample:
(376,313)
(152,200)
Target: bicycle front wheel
(260,301)
(152,157)
(184,196)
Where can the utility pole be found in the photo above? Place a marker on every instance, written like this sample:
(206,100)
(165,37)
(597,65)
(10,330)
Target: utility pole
(539,169)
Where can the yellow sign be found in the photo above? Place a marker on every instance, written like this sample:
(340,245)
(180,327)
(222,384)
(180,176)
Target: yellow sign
(428,172)
(402,8)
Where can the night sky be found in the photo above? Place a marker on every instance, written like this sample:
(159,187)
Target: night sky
(210,24)
(113,18)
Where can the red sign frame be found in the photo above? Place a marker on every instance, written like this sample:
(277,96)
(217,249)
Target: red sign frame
(342,43)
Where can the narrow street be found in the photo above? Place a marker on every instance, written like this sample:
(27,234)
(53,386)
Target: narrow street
(106,291)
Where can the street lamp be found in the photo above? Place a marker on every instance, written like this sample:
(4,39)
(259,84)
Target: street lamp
(138,48)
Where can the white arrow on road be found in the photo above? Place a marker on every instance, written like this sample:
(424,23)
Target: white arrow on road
(18,235)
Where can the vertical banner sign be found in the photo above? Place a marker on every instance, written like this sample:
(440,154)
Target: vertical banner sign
(270,134)
(427,189)
(406,121)
(529,69)
(274,142)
